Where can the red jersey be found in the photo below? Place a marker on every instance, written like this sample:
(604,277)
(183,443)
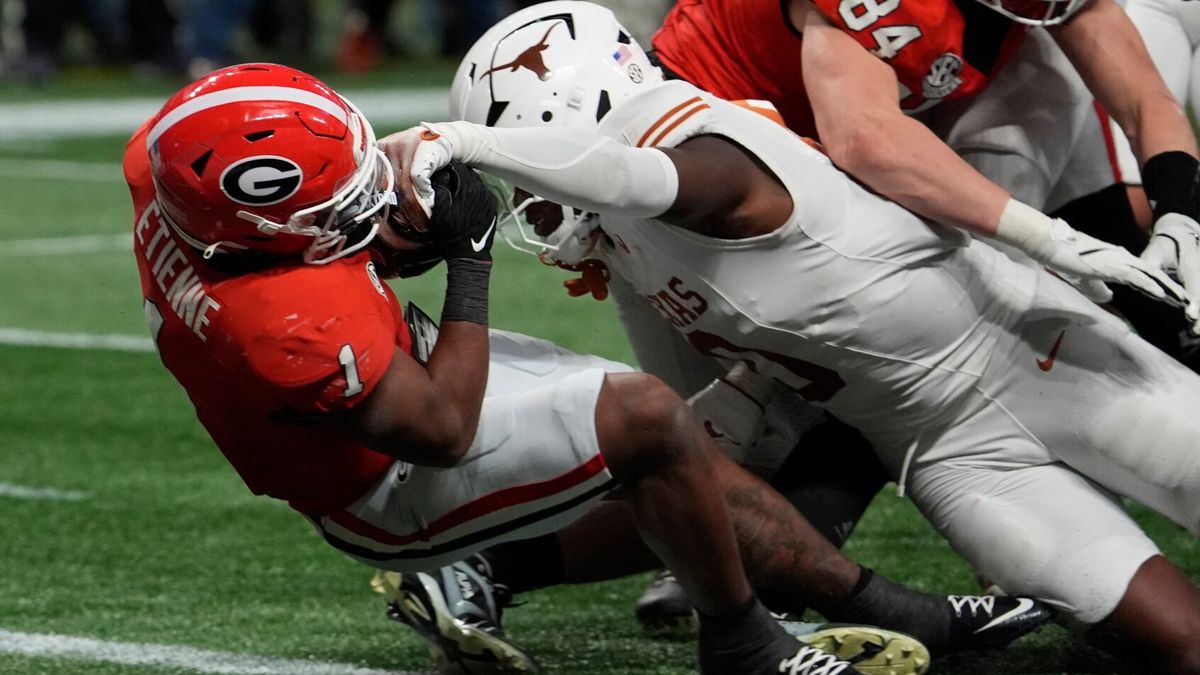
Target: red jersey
(748,48)
(263,355)
(738,49)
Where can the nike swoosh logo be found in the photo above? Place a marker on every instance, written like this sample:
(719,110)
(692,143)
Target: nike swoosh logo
(1023,605)
(477,246)
(712,430)
(1047,363)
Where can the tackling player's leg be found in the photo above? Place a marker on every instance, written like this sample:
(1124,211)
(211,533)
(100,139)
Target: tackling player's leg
(679,489)
(1160,611)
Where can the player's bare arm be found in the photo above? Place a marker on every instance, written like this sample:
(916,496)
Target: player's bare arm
(862,127)
(1105,47)
(724,191)
(858,117)
(428,414)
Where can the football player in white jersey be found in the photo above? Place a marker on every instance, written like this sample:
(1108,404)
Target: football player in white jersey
(1011,409)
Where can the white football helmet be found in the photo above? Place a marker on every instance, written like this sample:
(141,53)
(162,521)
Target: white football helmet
(565,64)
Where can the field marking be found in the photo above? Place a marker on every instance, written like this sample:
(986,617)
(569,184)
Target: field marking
(84,243)
(61,170)
(35,338)
(107,116)
(172,656)
(51,494)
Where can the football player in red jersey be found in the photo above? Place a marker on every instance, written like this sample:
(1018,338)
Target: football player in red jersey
(257,194)
(856,54)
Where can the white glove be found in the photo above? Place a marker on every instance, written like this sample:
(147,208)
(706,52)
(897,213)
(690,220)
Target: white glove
(1087,262)
(1175,248)
(1082,260)
(416,154)
(731,408)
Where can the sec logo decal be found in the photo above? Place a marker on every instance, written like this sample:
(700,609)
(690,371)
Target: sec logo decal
(262,180)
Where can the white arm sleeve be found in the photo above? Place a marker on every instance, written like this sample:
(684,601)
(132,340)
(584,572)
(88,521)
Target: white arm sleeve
(573,167)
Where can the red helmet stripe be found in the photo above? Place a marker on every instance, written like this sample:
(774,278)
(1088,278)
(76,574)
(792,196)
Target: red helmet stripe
(239,95)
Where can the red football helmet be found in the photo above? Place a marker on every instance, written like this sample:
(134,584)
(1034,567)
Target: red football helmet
(267,158)
(1036,12)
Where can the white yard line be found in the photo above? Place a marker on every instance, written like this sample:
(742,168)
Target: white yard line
(36,338)
(171,656)
(49,494)
(84,243)
(94,117)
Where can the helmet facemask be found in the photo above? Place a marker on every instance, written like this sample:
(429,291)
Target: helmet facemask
(569,231)
(1036,12)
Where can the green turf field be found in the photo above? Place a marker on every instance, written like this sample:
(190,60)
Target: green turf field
(154,543)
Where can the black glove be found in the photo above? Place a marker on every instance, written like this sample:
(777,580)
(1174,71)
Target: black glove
(463,213)
(463,224)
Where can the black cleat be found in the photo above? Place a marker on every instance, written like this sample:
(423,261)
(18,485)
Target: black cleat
(456,610)
(988,621)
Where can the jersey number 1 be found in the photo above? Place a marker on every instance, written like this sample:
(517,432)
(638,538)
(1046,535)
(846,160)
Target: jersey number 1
(350,364)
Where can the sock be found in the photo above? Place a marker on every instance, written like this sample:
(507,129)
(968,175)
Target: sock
(879,601)
(526,564)
(747,635)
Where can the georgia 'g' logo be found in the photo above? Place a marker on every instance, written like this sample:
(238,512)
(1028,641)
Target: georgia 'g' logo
(261,180)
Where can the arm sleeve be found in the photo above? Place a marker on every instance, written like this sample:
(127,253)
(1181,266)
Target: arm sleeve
(574,167)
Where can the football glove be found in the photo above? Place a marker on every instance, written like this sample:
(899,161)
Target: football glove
(1175,248)
(463,223)
(416,155)
(1086,263)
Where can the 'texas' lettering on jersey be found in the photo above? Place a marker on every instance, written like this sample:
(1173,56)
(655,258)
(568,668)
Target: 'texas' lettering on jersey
(181,287)
(678,305)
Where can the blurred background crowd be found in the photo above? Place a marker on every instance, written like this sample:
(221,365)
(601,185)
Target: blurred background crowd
(187,38)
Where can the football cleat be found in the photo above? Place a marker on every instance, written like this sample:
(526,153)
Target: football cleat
(456,610)
(664,609)
(813,661)
(871,650)
(778,652)
(986,621)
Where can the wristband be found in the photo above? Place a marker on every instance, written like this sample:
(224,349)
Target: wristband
(1171,183)
(1024,227)
(467,291)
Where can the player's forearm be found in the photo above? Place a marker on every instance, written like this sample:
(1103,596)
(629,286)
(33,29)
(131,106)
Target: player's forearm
(458,369)
(579,168)
(1108,52)
(458,364)
(911,166)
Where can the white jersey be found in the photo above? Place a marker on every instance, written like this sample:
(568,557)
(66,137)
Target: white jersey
(1009,401)
(863,308)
